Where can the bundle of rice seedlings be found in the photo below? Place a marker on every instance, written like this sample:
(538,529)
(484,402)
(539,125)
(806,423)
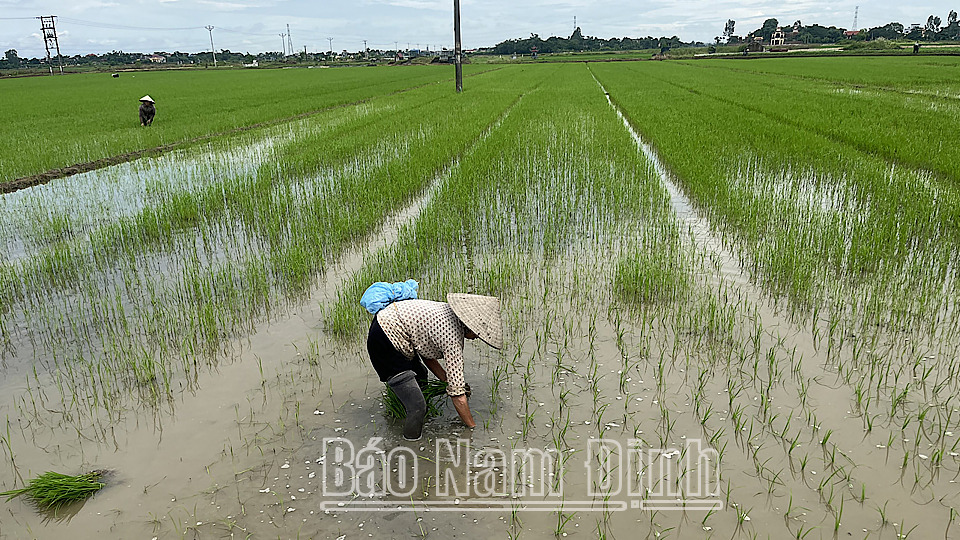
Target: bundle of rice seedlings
(51,490)
(433,392)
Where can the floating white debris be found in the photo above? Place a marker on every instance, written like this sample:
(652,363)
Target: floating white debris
(285,466)
(311,475)
(290,510)
(265,490)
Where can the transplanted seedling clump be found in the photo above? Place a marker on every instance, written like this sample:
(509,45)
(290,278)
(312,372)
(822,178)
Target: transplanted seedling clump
(52,490)
(433,392)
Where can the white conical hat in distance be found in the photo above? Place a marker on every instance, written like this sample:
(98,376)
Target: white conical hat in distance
(481,314)
(147,98)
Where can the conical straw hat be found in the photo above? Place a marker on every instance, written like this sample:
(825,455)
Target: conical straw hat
(481,314)
(147,98)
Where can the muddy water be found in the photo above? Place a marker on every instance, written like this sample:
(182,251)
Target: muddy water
(77,204)
(159,465)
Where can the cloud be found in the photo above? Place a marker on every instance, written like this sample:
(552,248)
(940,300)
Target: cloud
(435,5)
(229,6)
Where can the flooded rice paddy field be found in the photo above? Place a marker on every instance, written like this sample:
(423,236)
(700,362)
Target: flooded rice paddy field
(710,332)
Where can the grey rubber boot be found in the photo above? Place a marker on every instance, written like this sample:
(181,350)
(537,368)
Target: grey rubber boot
(404,384)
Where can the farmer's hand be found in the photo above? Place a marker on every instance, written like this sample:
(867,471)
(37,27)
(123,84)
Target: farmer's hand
(463,409)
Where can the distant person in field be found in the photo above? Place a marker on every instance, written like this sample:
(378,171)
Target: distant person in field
(147,110)
(916,47)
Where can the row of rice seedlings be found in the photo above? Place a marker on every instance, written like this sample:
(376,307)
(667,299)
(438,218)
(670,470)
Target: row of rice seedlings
(864,236)
(678,340)
(79,205)
(570,218)
(860,341)
(276,233)
(765,410)
(914,131)
(870,265)
(236,190)
(931,76)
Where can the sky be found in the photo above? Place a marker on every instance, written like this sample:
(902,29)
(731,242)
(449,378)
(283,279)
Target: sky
(99,26)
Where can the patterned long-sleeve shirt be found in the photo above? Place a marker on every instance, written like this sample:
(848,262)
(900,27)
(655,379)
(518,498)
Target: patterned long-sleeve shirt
(429,329)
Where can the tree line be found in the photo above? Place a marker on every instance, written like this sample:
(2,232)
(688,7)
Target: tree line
(578,42)
(933,30)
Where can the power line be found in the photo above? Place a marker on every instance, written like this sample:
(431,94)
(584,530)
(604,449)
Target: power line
(111,26)
(221,28)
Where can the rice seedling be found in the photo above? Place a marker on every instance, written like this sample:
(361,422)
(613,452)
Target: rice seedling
(434,392)
(52,490)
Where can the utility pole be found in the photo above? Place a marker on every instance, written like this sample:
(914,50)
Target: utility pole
(49,29)
(365,53)
(283,44)
(856,11)
(212,50)
(457,63)
(330,39)
(289,41)
(574,23)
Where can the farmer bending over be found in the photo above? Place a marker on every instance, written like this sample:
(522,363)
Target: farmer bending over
(147,110)
(407,331)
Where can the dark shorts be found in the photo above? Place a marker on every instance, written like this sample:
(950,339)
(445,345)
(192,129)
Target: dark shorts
(386,359)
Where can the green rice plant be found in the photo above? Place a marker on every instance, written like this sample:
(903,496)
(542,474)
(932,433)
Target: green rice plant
(433,392)
(651,275)
(51,490)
